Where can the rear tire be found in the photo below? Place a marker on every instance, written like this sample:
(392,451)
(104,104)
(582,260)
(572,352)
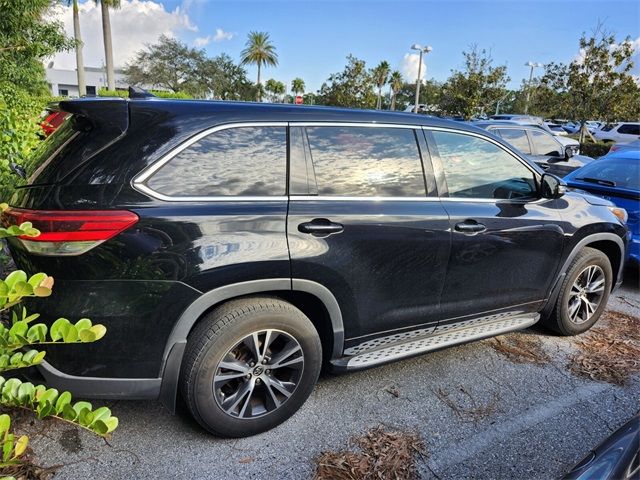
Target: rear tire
(256,387)
(583,294)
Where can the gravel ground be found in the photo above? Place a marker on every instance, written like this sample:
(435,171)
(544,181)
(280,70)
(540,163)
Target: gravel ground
(541,420)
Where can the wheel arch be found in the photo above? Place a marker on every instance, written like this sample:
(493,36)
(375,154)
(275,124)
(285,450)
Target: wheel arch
(315,300)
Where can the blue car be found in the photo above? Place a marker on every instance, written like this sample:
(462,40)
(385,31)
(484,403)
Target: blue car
(615,177)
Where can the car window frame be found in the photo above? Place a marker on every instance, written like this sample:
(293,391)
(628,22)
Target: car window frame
(496,131)
(441,178)
(534,148)
(429,179)
(139,181)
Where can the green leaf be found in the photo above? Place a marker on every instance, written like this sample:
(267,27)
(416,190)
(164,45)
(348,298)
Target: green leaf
(7,448)
(99,427)
(63,399)
(15,359)
(58,328)
(37,333)
(26,392)
(19,328)
(87,335)
(99,331)
(14,277)
(83,323)
(70,334)
(49,396)
(112,423)
(79,406)
(5,423)
(101,413)
(37,279)
(21,289)
(68,413)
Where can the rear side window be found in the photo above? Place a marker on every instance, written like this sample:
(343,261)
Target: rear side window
(366,161)
(517,138)
(241,161)
(629,129)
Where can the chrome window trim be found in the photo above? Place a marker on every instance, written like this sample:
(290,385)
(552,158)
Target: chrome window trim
(339,198)
(354,124)
(138,181)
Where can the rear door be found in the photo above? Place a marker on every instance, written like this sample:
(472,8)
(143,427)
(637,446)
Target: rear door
(364,222)
(506,242)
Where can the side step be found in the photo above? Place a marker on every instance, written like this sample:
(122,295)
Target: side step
(416,346)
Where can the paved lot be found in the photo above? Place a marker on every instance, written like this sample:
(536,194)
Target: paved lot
(544,421)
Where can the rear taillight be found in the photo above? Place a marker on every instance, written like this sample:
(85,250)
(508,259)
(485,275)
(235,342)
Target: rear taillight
(69,232)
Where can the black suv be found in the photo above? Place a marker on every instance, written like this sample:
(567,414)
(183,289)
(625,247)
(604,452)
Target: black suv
(233,249)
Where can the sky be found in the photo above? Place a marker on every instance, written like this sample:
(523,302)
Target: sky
(314,37)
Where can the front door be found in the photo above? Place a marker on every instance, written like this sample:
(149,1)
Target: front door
(368,225)
(506,242)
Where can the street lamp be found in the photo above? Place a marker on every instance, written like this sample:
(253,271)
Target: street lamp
(532,65)
(422,51)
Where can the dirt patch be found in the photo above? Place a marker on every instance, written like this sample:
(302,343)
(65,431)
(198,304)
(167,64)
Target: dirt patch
(609,352)
(70,440)
(383,454)
(521,348)
(466,407)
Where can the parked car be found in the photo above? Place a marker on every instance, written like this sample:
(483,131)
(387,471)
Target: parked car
(541,147)
(530,120)
(555,128)
(615,177)
(233,249)
(618,147)
(619,132)
(616,458)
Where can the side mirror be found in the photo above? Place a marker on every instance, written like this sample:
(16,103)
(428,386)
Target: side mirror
(552,186)
(568,152)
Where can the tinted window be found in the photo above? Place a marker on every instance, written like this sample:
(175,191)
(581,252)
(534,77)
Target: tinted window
(237,161)
(544,143)
(623,172)
(629,129)
(517,138)
(361,161)
(476,168)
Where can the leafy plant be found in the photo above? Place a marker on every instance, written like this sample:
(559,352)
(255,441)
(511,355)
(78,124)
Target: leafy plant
(18,334)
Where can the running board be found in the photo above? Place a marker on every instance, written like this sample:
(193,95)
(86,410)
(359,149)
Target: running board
(446,338)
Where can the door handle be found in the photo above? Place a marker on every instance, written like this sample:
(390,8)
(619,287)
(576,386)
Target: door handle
(468,227)
(320,227)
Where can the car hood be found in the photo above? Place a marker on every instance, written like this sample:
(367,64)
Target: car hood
(593,199)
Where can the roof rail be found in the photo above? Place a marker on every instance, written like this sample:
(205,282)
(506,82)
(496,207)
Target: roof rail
(137,92)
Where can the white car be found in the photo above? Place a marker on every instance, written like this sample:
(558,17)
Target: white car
(555,128)
(619,132)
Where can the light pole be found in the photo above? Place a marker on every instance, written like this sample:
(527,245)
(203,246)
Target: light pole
(532,65)
(422,51)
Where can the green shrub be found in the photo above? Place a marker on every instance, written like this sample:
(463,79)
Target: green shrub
(19,132)
(103,92)
(594,150)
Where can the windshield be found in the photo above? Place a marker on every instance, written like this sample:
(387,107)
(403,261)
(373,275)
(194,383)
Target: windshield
(623,172)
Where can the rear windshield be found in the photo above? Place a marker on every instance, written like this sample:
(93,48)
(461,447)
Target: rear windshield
(624,172)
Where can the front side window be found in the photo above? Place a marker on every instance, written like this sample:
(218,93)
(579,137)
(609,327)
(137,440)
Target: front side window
(545,144)
(517,138)
(477,168)
(241,161)
(366,161)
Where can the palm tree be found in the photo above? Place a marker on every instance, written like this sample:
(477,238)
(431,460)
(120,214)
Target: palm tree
(297,85)
(380,77)
(396,82)
(259,51)
(105,5)
(82,87)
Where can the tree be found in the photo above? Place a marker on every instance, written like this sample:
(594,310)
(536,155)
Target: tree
(221,78)
(25,42)
(430,95)
(476,88)
(82,87)
(261,52)
(598,84)
(353,87)
(105,5)
(380,76)
(275,88)
(396,82)
(297,86)
(168,64)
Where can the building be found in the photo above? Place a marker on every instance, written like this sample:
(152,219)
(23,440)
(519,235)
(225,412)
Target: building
(64,83)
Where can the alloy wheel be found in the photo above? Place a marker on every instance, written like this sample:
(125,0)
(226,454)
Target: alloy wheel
(258,374)
(586,294)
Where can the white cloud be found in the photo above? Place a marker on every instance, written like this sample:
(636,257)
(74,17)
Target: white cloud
(202,41)
(134,24)
(409,67)
(221,35)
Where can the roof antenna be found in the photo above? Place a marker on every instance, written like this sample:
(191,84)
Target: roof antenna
(137,92)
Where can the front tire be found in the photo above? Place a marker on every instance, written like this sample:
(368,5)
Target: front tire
(583,295)
(250,365)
